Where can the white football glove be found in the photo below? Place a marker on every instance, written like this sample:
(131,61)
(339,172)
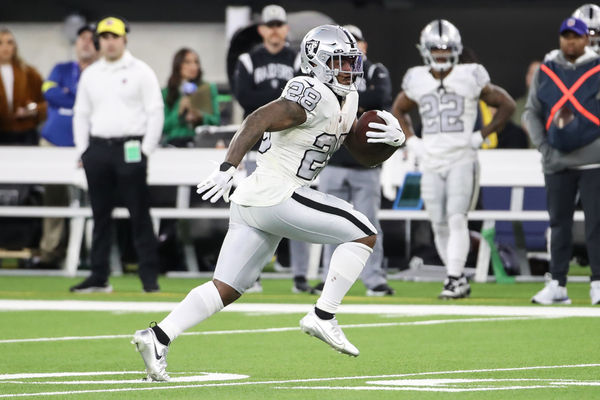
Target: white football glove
(218,184)
(391,132)
(476,139)
(415,146)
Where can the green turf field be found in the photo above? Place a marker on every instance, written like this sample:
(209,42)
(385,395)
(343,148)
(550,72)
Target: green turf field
(263,355)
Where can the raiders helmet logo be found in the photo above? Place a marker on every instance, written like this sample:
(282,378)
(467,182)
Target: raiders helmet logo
(311,48)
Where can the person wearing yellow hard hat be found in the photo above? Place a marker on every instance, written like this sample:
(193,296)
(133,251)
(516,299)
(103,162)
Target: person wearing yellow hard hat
(117,123)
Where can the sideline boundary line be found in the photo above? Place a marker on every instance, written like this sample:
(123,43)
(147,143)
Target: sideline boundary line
(272,330)
(278,308)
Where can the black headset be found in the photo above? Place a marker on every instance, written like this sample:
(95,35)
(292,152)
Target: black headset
(97,37)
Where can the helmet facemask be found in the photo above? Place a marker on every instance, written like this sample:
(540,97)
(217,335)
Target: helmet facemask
(345,70)
(440,35)
(440,57)
(330,54)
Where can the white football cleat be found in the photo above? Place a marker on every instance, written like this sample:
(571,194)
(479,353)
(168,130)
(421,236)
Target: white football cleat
(153,353)
(595,292)
(328,331)
(552,293)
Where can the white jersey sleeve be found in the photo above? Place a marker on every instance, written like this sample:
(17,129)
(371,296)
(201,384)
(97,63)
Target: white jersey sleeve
(293,157)
(482,78)
(411,80)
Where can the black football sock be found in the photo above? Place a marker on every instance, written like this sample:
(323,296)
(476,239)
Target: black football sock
(323,314)
(161,335)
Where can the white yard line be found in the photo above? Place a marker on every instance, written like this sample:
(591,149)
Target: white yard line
(154,386)
(379,309)
(272,330)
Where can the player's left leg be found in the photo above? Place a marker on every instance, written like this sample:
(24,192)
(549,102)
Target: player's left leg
(365,187)
(244,252)
(313,216)
(462,189)
(433,192)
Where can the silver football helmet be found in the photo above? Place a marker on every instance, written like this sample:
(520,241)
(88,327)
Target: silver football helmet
(590,14)
(440,34)
(323,52)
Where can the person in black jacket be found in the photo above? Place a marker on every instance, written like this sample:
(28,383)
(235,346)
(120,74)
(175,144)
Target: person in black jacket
(348,180)
(261,74)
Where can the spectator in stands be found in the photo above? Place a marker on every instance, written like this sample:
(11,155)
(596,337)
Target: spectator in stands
(117,122)
(259,78)
(189,101)
(346,179)
(569,140)
(59,91)
(261,74)
(22,106)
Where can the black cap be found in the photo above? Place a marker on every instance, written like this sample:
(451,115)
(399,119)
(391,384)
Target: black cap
(86,27)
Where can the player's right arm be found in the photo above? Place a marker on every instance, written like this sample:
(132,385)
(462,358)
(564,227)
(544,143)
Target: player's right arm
(400,109)
(275,116)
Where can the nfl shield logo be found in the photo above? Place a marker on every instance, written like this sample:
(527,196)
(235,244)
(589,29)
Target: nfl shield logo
(311,48)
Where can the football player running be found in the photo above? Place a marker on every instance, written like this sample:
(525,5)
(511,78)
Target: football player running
(299,131)
(447,95)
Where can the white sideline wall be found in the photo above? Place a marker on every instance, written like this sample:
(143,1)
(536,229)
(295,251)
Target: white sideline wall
(42,45)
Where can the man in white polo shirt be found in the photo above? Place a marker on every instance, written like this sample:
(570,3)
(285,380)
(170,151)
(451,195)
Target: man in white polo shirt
(117,123)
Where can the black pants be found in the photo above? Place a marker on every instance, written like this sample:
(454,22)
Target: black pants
(111,179)
(25,138)
(562,188)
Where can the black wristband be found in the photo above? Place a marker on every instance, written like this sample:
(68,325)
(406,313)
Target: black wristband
(225,166)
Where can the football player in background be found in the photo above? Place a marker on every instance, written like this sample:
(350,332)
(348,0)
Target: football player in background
(590,14)
(447,94)
(299,131)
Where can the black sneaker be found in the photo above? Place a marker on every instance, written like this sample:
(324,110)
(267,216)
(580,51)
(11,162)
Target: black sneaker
(318,288)
(152,289)
(92,285)
(455,288)
(381,290)
(301,285)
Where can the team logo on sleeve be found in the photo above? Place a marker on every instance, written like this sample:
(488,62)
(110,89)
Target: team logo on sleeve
(311,48)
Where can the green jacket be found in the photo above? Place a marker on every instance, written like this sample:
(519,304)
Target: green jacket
(174,128)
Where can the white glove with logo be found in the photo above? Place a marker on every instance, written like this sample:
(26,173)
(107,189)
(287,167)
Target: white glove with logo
(476,139)
(391,132)
(218,184)
(415,146)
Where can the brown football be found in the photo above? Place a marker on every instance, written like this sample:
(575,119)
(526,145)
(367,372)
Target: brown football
(368,154)
(563,116)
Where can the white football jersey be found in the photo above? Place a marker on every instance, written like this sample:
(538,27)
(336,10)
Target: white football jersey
(448,111)
(294,157)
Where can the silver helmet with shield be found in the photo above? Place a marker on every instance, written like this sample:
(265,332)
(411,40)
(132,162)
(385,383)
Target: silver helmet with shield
(590,14)
(440,35)
(330,54)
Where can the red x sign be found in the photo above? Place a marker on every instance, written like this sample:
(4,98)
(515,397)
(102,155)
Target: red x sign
(568,94)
